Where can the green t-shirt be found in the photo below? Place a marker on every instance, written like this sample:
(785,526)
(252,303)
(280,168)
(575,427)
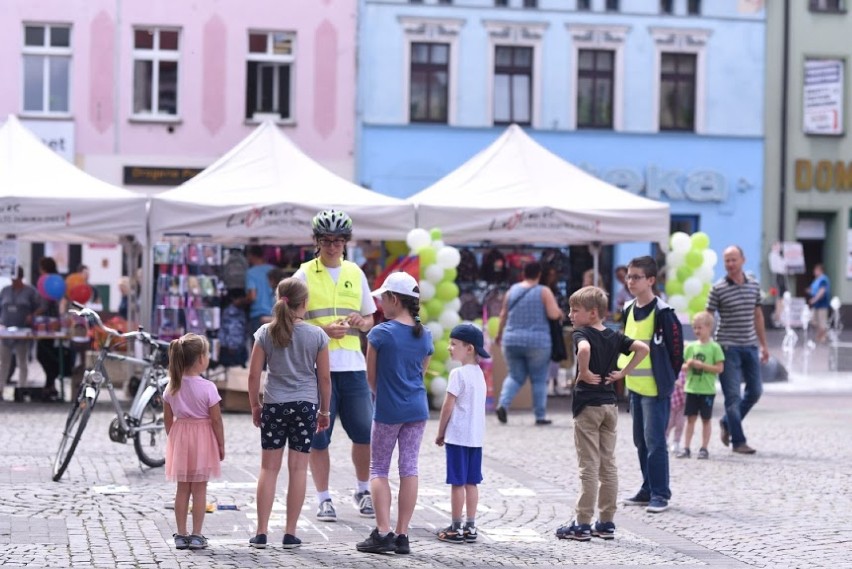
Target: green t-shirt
(697,381)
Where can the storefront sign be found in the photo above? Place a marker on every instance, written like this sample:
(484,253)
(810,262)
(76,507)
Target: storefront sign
(824,175)
(673,185)
(822,104)
(157,176)
(794,257)
(58,135)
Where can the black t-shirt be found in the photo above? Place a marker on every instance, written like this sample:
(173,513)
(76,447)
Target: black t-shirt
(642,313)
(605,346)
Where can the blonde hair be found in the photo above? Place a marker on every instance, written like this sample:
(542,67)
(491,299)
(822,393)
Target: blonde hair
(184,353)
(590,298)
(704,317)
(291,293)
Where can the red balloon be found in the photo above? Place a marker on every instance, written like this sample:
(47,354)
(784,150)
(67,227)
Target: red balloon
(80,293)
(40,286)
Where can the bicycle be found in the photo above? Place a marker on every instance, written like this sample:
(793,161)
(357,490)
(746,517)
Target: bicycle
(144,421)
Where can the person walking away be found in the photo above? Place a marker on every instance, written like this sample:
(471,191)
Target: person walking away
(259,294)
(742,335)
(648,319)
(398,352)
(55,358)
(677,421)
(290,411)
(18,303)
(595,411)
(820,301)
(704,360)
(461,431)
(340,303)
(524,335)
(196,436)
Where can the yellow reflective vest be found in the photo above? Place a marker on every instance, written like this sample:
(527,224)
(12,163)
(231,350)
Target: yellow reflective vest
(641,379)
(329,301)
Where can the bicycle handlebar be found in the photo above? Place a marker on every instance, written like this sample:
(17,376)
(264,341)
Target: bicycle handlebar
(95,319)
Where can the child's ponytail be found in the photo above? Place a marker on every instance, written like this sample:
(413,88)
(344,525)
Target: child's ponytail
(184,353)
(412,305)
(291,293)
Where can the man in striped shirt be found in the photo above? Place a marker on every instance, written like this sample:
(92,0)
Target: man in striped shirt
(742,336)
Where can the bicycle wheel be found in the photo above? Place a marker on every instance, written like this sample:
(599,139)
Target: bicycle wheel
(150,440)
(78,417)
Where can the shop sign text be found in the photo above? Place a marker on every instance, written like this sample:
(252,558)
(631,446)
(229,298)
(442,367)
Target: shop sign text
(824,175)
(673,185)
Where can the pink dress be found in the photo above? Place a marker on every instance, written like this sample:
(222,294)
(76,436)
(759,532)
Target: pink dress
(192,450)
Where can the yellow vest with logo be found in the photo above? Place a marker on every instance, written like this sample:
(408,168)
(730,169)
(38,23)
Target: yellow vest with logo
(329,301)
(641,380)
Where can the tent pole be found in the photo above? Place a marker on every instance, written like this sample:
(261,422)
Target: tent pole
(595,248)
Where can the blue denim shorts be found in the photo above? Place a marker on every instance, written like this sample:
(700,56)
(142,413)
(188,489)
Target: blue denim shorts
(464,465)
(352,401)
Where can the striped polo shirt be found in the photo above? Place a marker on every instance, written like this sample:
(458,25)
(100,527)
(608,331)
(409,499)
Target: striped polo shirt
(735,304)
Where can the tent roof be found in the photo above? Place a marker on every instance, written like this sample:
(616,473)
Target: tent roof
(516,191)
(43,197)
(266,188)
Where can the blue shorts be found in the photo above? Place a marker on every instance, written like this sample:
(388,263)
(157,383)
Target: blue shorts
(352,400)
(293,423)
(464,465)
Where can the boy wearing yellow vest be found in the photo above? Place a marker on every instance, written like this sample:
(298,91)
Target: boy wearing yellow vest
(648,319)
(340,303)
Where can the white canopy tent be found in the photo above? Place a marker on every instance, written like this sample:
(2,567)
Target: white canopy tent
(45,198)
(267,190)
(516,191)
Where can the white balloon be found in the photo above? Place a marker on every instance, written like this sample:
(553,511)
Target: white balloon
(449,319)
(678,302)
(692,286)
(438,387)
(681,242)
(449,257)
(675,259)
(454,304)
(427,291)
(436,329)
(437,244)
(704,274)
(418,238)
(433,274)
(710,258)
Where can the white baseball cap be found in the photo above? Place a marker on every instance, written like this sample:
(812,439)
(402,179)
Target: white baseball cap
(399,283)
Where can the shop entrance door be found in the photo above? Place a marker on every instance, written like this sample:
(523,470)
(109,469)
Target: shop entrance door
(812,230)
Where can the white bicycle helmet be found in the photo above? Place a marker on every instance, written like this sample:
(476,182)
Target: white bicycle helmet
(332,222)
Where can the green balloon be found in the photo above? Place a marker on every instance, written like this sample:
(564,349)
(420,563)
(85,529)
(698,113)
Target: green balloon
(446,336)
(436,367)
(436,234)
(434,307)
(700,240)
(428,256)
(694,259)
(441,352)
(450,275)
(493,326)
(684,272)
(446,291)
(424,314)
(705,290)
(697,304)
(674,287)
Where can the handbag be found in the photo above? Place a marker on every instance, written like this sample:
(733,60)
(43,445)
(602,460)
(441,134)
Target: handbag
(558,352)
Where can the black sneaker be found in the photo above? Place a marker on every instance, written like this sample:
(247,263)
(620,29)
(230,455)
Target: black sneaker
(575,531)
(451,535)
(258,541)
(470,534)
(291,541)
(501,414)
(683,453)
(376,543)
(604,530)
(640,499)
(703,454)
(181,541)
(401,544)
(724,433)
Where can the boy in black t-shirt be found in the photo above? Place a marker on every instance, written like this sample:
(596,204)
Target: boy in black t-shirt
(596,413)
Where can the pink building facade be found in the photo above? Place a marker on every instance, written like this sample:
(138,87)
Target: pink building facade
(142,93)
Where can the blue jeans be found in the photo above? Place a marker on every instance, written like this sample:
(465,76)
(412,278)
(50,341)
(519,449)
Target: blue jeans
(352,400)
(650,418)
(523,363)
(742,365)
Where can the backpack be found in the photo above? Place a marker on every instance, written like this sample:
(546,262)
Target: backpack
(232,337)
(468,268)
(494,268)
(234,270)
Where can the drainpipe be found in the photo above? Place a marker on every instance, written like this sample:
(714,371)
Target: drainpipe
(782,202)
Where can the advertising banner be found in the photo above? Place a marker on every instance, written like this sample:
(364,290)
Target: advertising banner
(822,102)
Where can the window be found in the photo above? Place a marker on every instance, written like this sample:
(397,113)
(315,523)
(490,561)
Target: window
(155,71)
(445,1)
(827,5)
(595,80)
(513,66)
(693,7)
(430,72)
(666,6)
(612,5)
(677,91)
(501,3)
(47,69)
(530,3)
(584,5)
(269,74)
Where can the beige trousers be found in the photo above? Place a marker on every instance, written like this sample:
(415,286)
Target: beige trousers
(594,437)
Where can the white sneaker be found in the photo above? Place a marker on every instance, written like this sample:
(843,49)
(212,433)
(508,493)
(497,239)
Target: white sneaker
(326,512)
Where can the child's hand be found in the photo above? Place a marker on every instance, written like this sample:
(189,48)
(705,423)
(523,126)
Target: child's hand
(439,440)
(221,453)
(255,415)
(589,377)
(323,422)
(615,375)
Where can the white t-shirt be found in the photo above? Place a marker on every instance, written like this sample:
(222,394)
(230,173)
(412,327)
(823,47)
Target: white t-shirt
(467,423)
(347,360)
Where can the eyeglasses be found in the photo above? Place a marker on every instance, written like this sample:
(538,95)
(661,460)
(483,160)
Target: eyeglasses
(335,242)
(635,277)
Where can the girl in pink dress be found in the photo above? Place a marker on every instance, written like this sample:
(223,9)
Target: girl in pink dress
(196,437)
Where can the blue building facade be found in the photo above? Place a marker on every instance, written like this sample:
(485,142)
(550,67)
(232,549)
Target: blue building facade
(664,99)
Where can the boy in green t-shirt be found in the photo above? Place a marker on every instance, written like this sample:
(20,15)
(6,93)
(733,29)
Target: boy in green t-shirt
(703,362)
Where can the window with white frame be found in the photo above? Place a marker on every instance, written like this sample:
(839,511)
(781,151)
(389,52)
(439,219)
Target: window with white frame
(679,96)
(598,92)
(513,78)
(269,75)
(47,69)
(156,54)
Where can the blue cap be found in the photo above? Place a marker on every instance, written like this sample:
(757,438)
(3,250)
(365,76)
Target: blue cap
(473,336)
